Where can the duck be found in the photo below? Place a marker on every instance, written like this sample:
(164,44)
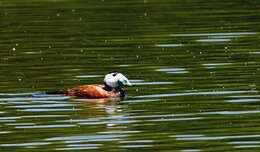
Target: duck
(110,89)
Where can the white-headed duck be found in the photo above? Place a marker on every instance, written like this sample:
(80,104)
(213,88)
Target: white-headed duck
(111,88)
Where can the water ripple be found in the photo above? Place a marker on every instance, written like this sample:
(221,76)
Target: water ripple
(175,119)
(119,132)
(45,126)
(232,112)
(191,150)
(168,45)
(137,141)
(187,136)
(136,101)
(15,94)
(88,76)
(216,137)
(42,106)
(5,132)
(194,93)
(216,64)
(215,34)
(243,100)
(19,124)
(109,122)
(26,144)
(247,146)
(173,70)
(46,110)
(33,98)
(254,52)
(88,137)
(84,145)
(44,116)
(244,142)
(76,148)
(213,40)
(136,146)
(9,118)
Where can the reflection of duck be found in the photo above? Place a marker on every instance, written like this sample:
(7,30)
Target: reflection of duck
(109,105)
(111,88)
(100,111)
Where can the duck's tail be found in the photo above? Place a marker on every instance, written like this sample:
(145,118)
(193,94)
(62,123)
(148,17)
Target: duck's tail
(51,93)
(57,92)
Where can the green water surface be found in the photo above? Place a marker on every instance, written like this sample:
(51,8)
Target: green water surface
(195,63)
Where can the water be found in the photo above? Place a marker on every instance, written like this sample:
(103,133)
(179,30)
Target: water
(195,63)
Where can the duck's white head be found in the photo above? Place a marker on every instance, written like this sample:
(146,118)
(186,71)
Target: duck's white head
(115,80)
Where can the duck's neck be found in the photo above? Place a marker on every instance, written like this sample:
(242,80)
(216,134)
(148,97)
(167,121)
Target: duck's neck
(118,89)
(107,87)
(122,92)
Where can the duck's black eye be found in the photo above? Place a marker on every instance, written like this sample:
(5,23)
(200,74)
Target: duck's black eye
(114,74)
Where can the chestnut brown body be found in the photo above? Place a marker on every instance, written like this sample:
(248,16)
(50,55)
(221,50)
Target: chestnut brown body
(93,91)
